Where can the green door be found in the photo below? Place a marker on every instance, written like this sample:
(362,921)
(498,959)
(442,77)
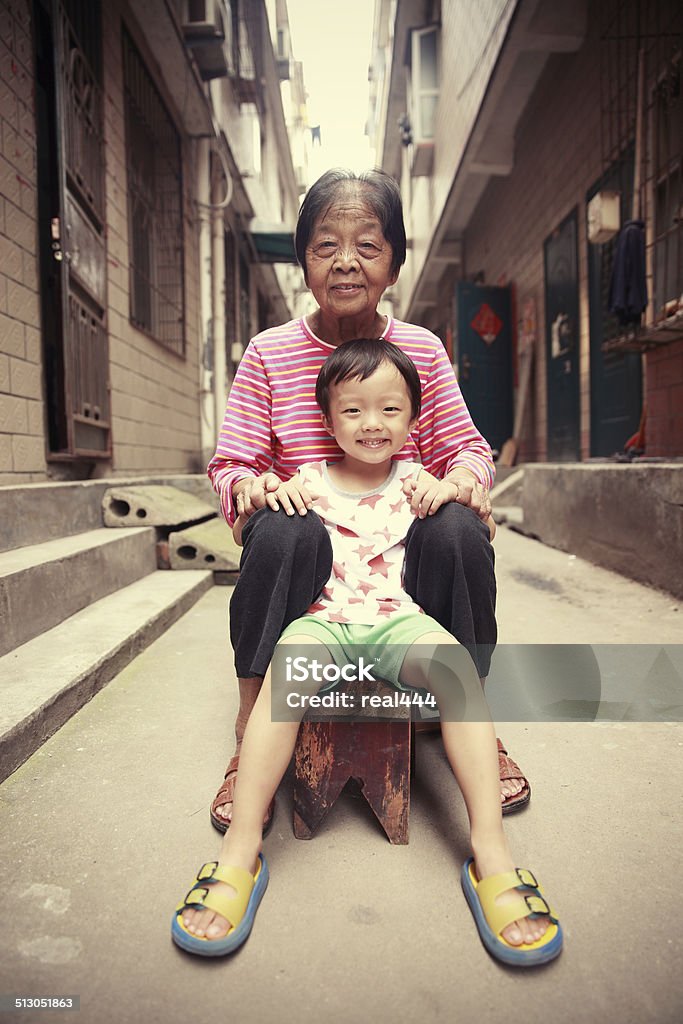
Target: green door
(483,358)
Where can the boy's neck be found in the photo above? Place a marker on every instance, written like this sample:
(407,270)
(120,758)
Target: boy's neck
(359,477)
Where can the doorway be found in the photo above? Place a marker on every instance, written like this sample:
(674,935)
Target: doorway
(71,227)
(483,355)
(561,274)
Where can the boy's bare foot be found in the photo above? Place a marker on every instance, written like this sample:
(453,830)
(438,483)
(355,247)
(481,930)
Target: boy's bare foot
(207,923)
(493,857)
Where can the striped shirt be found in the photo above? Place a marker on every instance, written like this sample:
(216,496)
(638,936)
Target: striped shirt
(272,421)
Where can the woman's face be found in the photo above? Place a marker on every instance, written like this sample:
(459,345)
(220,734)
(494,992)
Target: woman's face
(348,259)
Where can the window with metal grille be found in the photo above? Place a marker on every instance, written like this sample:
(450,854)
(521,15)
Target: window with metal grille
(155,215)
(668,187)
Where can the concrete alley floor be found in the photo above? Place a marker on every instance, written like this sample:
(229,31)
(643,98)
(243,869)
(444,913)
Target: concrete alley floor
(103,829)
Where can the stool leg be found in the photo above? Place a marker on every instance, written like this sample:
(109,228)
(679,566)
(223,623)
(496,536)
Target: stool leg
(321,772)
(383,769)
(378,754)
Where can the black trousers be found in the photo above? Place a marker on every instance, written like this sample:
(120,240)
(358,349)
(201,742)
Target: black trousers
(287,560)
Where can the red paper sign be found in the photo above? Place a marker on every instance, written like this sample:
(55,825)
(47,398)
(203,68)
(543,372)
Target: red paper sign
(487,324)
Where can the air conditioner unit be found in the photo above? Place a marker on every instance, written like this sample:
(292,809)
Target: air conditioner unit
(603,216)
(204,20)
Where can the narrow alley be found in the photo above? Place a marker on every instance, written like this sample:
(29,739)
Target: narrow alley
(105,826)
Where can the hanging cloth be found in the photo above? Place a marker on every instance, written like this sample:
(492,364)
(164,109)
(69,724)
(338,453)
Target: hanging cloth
(628,287)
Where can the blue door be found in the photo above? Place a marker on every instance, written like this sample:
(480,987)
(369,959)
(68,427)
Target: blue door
(483,358)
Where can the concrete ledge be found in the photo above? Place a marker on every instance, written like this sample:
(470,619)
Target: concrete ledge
(42,585)
(47,680)
(207,546)
(628,518)
(153,505)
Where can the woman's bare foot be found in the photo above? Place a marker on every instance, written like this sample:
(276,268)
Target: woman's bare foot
(493,857)
(236,853)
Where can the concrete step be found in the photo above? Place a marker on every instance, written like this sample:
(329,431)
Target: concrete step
(44,584)
(33,513)
(45,681)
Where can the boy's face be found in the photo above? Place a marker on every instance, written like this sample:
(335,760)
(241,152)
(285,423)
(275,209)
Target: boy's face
(371,418)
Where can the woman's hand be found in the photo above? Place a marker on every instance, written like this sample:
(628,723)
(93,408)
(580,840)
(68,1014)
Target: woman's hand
(251,493)
(429,494)
(254,493)
(470,492)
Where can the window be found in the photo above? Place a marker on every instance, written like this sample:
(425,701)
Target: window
(424,82)
(155,216)
(668,189)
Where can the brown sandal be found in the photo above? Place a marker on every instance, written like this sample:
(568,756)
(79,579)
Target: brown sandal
(509,769)
(225,795)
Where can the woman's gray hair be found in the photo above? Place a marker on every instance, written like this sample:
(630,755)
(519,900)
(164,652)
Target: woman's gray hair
(379,191)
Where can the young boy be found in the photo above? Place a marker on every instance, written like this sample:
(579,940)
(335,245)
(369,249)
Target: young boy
(369,395)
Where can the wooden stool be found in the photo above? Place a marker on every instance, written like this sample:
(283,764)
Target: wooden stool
(376,753)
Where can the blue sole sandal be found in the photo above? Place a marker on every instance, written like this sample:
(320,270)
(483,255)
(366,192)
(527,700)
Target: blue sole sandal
(239,910)
(492,918)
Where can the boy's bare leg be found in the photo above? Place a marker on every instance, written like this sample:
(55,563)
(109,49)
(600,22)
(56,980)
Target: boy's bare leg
(267,749)
(472,752)
(249,691)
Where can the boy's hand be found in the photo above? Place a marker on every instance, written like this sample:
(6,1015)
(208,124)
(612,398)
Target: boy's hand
(427,494)
(293,497)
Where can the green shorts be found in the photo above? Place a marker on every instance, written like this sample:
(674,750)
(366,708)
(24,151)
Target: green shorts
(384,643)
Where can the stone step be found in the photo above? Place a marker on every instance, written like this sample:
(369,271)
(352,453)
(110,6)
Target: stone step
(44,584)
(33,513)
(45,681)
(153,505)
(206,546)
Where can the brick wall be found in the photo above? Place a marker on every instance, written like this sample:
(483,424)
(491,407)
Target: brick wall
(22,444)
(664,428)
(154,392)
(557,158)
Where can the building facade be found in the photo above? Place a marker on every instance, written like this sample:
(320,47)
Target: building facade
(144,146)
(526,135)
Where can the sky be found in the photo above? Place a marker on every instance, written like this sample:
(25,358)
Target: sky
(334,41)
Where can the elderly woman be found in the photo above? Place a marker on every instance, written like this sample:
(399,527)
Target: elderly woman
(351,244)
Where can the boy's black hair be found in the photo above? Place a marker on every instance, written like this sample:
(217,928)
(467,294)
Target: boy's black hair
(358,360)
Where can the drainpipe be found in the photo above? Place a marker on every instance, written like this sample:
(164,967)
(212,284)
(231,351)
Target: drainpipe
(208,427)
(218,292)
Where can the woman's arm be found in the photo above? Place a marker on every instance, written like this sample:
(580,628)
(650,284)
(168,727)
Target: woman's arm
(244,449)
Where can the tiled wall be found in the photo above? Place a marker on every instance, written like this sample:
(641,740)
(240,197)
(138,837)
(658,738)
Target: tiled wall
(22,451)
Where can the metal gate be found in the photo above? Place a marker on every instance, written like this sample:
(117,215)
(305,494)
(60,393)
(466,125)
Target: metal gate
(71,220)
